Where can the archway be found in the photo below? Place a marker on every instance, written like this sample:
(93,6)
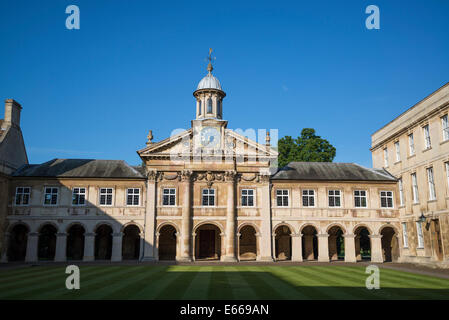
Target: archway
(247,243)
(167,243)
(131,242)
(208,242)
(336,243)
(18,243)
(46,248)
(362,244)
(390,246)
(283,243)
(309,243)
(103,242)
(75,242)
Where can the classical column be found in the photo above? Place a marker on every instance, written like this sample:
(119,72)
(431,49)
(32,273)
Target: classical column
(323,247)
(238,234)
(296,246)
(142,245)
(4,257)
(333,252)
(308,246)
(31,253)
(230,217)
(358,253)
(61,247)
(273,245)
(186,216)
(350,248)
(150,253)
(156,246)
(376,248)
(117,240)
(266,245)
(223,247)
(193,245)
(89,247)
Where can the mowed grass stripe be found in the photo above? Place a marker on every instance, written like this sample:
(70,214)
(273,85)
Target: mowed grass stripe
(152,273)
(241,287)
(30,273)
(40,285)
(176,289)
(91,284)
(269,287)
(199,287)
(7,274)
(220,287)
(154,289)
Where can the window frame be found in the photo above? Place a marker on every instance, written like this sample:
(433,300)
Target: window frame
(112,197)
(208,195)
(385,157)
(404,234)
(387,197)
(210,106)
(431,184)
(21,204)
(339,196)
(253,196)
(401,192)
(283,196)
(361,197)
(415,189)
(57,196)
(411,144)
(308,198)
(169,195)
(427,140)
(419,235)
(445,127)
(133,195)
(397,147)
(85,196)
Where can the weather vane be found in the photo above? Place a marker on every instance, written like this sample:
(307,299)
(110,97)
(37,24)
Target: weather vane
(210,58)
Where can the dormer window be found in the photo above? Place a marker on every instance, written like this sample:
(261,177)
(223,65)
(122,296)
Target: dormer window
(209,105)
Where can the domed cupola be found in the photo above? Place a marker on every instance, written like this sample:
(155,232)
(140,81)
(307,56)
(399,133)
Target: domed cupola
(209,96)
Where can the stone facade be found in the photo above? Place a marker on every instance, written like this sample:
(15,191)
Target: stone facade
(414,147)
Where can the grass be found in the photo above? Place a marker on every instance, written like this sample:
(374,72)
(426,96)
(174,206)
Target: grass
(217,282)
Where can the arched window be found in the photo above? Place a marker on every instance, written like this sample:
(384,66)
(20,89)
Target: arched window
(199,107)
(209,105)
(219,108)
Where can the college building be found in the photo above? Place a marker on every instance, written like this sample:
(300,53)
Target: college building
(211,193)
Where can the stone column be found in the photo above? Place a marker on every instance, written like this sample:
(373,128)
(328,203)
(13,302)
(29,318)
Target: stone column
(186,216)
(230,217)
(323,247)
(273,245)
(350,248)
(89,247)
(358,253)
(308,247)
(296,247)
(193,245)
(61,247)
(156,247)
(117,241)
(376,248)
(238,246)
(31,253)
(142,245)
(223,246)
(266,244)
(4,257)
(150,217)
(333,252)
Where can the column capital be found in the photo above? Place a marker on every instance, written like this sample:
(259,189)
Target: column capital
(186,175)
(222,234)
(349,235)
(89,234)
(322,235)
(117,234)
(230,175)
(296,234)
(61,234)
(375,236)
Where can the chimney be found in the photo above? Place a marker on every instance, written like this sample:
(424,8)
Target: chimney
(12,112)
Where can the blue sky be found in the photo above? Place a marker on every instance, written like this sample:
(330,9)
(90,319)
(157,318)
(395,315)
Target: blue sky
(133,65)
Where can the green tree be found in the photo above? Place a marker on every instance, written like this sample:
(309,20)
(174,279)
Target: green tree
(308,147)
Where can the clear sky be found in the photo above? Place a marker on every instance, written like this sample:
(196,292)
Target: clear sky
(133,65)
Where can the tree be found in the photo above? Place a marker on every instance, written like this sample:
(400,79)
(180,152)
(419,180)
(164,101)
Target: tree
(308,147)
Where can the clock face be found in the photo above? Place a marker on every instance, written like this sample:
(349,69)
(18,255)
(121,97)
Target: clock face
(210,137)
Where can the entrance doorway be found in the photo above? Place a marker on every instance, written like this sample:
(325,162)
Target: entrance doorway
(208,242)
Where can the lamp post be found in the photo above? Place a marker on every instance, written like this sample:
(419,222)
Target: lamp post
(422,218)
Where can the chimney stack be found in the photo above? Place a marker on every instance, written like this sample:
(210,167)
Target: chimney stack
(12,112)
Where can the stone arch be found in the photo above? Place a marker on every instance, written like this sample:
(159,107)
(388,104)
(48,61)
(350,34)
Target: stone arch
(307,224)
(336,224)
(336,242)
(46,245)
(244,224)
(386,226)
(14,224)
(103,241)
(218,225)
(208,241)
(71,224)
(168,223)
(75,241)
(132,223)
(362,242)
(390,245)
(167,241)
(362,225)
(131,242)
(247,242)
(18,240)
(101,223)
(283,241)
(39,229)
(292,230)
(309,241)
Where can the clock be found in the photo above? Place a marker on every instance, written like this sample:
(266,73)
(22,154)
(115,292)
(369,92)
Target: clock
(210,137)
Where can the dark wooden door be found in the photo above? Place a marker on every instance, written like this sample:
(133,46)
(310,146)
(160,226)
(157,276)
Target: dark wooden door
(207,244)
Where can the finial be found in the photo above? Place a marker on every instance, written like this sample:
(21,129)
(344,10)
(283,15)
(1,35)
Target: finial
(150,137)
(267,139)
(210,58)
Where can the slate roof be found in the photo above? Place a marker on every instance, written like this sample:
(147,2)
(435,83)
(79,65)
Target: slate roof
(79,168)
(331,171)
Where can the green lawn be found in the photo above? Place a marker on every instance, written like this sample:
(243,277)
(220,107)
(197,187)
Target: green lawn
(217,282)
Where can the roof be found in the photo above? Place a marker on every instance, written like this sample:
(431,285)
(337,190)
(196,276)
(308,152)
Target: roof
(331,171)
(79,168)
(209,82)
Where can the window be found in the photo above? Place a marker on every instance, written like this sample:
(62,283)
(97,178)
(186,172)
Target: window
(398,151)
(23,196)
(411,144)
(282,198)
(51,196)
(427,143)
(415,188)
(360,198)
(386,199)
(133,197)
(334,198)
(208,197)
(445,126)
(79,196)
(106,196)
(401,192)
(209,105)
(404,234)
(169,197)
(247,197)
(432,194)
(308,198)
(199,107)
(420,235)
(385,157)
(219,107)
(446,164)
